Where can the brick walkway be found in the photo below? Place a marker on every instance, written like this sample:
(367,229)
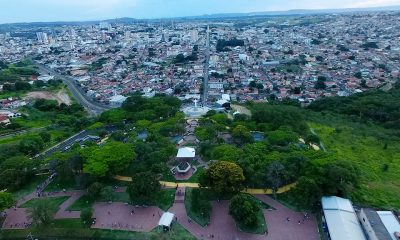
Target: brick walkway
(18,218)
(280,229)
(223,227)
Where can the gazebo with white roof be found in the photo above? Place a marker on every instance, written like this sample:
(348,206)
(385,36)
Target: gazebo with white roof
(166,221)
(186,153)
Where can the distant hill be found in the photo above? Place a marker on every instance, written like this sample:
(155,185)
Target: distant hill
(211,16)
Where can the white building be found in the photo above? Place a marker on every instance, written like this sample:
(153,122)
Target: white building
(341,219)
(117,100)
(186,153)
(42,37)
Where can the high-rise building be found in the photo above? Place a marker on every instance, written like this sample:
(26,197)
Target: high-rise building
(42,37)
(194,35)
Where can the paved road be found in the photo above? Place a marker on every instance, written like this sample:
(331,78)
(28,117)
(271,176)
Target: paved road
(67,143)
(94,108)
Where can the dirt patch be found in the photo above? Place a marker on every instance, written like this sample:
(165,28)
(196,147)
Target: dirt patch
(241,109)
(61,96)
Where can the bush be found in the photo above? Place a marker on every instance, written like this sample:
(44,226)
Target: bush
(244,210)
(86,216)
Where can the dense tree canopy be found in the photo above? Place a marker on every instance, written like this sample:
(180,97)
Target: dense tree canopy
(244,209)
(144,187)
(381,107)
(223,177)
(111,158)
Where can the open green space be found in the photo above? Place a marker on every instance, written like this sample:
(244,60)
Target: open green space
(375,151)
(201,216)
(74,229)
(164,200)
(54,202)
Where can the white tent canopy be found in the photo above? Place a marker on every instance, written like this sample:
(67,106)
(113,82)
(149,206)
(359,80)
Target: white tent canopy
(186,152)
(166,219)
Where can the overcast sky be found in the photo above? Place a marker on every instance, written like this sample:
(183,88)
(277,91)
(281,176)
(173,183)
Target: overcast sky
(77,10)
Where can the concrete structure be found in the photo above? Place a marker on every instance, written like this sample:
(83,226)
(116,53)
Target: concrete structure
(373,225)
(117,100)
(341,219)
(391,224)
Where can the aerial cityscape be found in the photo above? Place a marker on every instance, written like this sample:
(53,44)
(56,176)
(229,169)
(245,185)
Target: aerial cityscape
(200,121)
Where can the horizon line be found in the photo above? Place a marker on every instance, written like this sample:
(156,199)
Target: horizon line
(377,8)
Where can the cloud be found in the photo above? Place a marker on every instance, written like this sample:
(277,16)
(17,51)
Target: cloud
(373,3)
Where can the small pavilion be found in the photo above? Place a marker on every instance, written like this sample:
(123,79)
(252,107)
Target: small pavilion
(166,221)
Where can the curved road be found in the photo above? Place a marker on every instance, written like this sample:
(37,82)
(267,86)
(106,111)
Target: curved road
(91,106)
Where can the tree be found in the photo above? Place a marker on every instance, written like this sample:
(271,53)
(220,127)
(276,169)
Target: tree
(107,193)
(320,84)
(358,75)
(45,136)
(339,178)
(31,146)
(144,188)
(15,172)
(111,158)
(6,200)
(42,212)
(86,216)
(275,175)
(223,178)
(241,134)
(244,209)
(227,152)
(307,192)
(94,191)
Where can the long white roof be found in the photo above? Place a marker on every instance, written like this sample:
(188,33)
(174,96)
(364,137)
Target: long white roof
(341,219)
(186,152)
(390,222)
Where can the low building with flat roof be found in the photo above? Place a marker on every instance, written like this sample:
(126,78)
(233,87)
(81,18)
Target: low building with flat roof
(341,219)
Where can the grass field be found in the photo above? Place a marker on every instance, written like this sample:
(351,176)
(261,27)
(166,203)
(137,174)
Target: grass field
(164,200)
(53,202)
(195,216)
(377,154)
(74,229)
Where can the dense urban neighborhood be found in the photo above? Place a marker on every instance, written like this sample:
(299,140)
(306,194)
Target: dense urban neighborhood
(245,127)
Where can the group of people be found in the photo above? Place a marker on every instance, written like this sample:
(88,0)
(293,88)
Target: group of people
(20,225)
(306,216)
(40,188)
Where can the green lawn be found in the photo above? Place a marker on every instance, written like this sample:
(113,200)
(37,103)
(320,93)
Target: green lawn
(58,185)
(54,202)
(202,219)
(74,229)
(80,204)
(364,145)
(164,200)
